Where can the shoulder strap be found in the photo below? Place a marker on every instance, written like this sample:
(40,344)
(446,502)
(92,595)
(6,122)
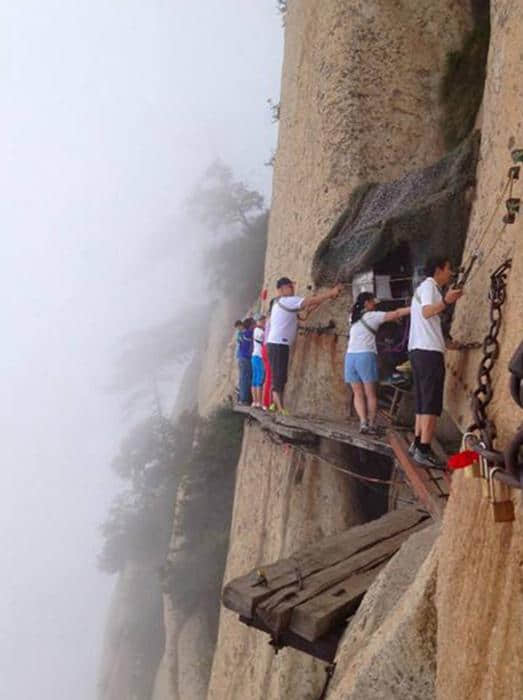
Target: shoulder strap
(285,308)
(367,326)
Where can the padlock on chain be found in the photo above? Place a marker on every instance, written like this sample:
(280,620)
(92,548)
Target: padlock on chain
(484,474)
(473,470)
(499,498)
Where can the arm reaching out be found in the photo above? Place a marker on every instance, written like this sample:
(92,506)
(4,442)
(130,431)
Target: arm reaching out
(317,299)
(397,314)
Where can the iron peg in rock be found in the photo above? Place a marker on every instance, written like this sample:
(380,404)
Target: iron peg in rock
(499,498)
(513,204)
(517,155)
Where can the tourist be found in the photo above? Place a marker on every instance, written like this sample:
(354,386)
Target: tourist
(244,353)
(426,352)
(283,329)
(267,386)
(258,370)
(361,360)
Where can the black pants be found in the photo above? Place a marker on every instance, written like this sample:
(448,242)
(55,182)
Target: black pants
(279,362)
(428,371)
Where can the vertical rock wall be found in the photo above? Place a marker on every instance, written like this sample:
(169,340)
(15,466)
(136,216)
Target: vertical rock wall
(359,102)
(480,580)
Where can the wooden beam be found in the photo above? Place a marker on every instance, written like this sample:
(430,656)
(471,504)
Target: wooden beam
(245,593)
(311,606)
(418,477)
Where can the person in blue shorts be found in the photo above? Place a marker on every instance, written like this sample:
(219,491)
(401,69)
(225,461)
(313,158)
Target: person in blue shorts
(361,360)
(258,370)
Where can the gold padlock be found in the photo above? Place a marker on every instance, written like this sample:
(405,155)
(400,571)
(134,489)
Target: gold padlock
(499,498)
(472,471)
(484,474)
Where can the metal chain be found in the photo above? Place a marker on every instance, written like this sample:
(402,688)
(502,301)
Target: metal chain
(483,394)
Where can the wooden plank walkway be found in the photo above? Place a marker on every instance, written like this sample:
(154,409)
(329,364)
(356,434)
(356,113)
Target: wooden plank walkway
(317,588)
(298,428)
(431,486)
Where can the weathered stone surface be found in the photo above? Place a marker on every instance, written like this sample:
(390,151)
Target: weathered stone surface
(284,501)
(480,583)
(389,650)
(359,103)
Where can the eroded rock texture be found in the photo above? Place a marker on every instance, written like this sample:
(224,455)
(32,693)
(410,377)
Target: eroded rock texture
(359,103)
(479,599)
(284,500)
(389,650)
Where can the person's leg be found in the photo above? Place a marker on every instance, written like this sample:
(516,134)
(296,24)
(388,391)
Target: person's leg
(372,401)
(427,428)
(417,402)
(368,371)
(432,378)
(359,402)
(244,366)
(255,380)
(267,384)
(276,374)
(283,365)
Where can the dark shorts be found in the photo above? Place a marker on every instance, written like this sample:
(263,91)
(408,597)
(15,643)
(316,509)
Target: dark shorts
(428,370)
(279,361)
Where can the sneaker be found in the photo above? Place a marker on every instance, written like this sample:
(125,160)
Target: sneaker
(284,412)
(364,428)
(374,430)
(273,408)
(427,459)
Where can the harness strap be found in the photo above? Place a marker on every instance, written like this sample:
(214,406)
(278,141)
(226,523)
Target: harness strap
(367,326)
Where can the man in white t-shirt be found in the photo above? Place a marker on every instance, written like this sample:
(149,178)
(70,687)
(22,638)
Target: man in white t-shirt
(283,330)
(426,351)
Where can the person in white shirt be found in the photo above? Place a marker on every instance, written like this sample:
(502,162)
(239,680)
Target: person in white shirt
(426,351)
(361,360)
(258,370)
(283,330)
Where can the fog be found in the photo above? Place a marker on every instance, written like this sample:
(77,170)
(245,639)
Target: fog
(109,112)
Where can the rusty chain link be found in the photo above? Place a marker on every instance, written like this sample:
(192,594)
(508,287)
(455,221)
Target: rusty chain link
(483,394)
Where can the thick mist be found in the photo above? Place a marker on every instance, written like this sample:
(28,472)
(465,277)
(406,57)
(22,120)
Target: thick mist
(110,112)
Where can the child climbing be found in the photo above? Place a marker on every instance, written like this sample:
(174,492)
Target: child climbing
(258,371)
(361,360)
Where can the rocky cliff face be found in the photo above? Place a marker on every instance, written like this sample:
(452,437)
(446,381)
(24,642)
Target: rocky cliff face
(359,102)
(480,572)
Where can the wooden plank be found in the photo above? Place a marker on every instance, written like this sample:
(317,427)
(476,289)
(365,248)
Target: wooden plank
(419,479)
(353,575)
(346,433)
(312,620)
(245,592)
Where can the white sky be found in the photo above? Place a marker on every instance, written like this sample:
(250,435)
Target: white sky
(109,110)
